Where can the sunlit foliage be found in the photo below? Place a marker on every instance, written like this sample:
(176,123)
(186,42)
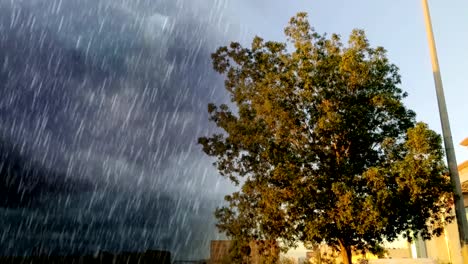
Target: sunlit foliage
(321,145)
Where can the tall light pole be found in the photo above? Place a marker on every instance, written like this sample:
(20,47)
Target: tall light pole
(447,134)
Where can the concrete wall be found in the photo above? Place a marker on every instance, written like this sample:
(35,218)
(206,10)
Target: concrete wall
(463,171)
(398,253)
(219,250)
(446,248)
(403,261)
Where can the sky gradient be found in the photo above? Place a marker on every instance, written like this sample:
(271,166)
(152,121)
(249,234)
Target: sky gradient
(398,26)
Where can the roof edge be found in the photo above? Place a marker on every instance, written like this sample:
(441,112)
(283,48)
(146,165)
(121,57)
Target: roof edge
(464,142)
(463,165)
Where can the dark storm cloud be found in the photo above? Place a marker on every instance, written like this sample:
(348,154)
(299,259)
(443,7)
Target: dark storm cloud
(107,98)
(24,184)
(132,223)
(109,94)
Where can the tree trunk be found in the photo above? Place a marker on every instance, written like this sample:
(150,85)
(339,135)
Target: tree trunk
(346,254)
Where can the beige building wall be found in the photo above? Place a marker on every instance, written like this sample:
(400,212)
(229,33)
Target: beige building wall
(219,250)
(399,253)
(446,248)
(463,171)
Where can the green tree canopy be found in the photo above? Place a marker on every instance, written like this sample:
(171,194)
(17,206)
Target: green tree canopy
(322,146)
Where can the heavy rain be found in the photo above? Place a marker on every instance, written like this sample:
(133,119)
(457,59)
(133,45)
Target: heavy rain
(101,104)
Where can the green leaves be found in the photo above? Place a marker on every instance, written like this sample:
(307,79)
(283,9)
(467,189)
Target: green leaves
(322,145)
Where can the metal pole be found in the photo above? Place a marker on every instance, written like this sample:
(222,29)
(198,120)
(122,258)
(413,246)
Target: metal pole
(447,134)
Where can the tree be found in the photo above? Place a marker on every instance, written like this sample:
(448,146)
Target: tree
(322,146)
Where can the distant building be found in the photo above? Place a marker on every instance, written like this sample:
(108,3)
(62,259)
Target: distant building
(219,251)
(463,172)
(190,262)
(324,254)
(398,253)
(446,248)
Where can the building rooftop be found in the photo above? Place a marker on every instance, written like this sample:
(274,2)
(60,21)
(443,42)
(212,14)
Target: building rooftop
(463,165)
(464,187)
(464,142)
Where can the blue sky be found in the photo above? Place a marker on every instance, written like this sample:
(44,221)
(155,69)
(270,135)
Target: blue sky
(398,26)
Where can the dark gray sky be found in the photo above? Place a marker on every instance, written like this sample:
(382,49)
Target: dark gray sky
(101,105)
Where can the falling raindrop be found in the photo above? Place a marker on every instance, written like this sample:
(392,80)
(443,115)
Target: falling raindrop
(101,106)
